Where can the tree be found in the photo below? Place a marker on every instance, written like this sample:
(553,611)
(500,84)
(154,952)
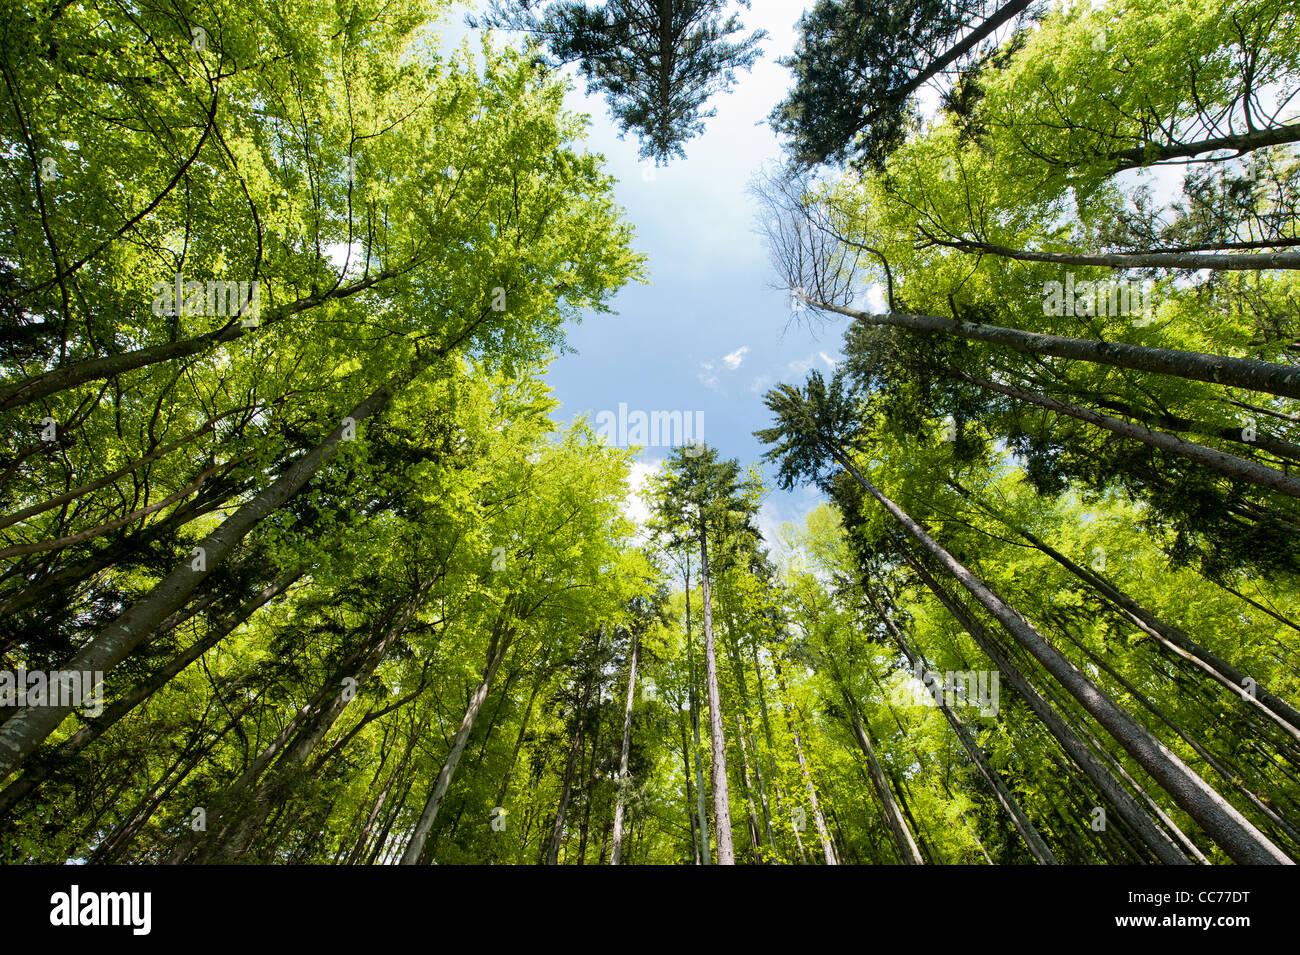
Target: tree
(857,64)
(696,497)
(805,429)
(658,62)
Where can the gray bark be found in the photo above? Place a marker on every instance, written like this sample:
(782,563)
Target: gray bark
(1028,831)
(620,804)
(20,735)
(718,742)
(1247,373)
(414,848)
(1219,818)
(1221,461)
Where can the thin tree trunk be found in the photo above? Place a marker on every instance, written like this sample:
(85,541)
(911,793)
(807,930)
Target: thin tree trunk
(616,853)
(717,741)
(904,843)
(828,850)
(496,651)
(321,717)
(142,691)
(1137,818)
(1028,831)
(1277,709)
(110,477)
(754,837)
(20,735)
(941,62)
(571,766)
(97,369)
(1253,262)
(589,793)
(1221,461)
(1219,818)
(702,811)
(1247,373)
(690,790)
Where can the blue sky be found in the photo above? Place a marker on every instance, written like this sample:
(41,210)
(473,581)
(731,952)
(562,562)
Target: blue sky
(709,332)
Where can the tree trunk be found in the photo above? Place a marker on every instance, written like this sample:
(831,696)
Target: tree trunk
(1137,260)
(828,850)
(1221,461)
(616,854)
(1166,634)
(718,742)
(570,767)
(702,811)
(142,691)
(97,369)
(690,790)
(20,735)
(1137,818)
(501,637)
(904,843)
(1247,373)
(1219,818)
(1028,831)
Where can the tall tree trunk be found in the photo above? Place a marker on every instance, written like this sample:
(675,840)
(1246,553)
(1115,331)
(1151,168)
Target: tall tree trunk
(754,838)
(904,843)
(142,691)
(501,638)
(1229,464)
(1137,818)
(690,790)
(717,741)
(570,767)
(504,789)
(766,720)
(106,479)
(97,369)
(1247,373)
(1219,818)
(1028,831)
(828,850)
(1136,260)
(321,717)
(968,43)
(20,735)
(1233,777)
(1166,634)
(702,811)
(745,726)
(616,854)
(589,791)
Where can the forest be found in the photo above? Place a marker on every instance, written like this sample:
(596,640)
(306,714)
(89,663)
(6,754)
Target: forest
(302,560)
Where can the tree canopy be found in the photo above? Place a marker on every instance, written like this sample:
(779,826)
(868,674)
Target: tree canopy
(300,562)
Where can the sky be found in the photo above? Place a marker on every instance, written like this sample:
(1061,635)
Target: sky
(710,332)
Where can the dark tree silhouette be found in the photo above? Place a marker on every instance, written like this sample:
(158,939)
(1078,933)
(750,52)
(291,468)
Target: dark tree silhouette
(857,64)
(658,62)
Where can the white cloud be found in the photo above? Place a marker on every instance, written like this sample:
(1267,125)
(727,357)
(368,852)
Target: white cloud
(759,384)
(801,367)
(830,362)
(733,360)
